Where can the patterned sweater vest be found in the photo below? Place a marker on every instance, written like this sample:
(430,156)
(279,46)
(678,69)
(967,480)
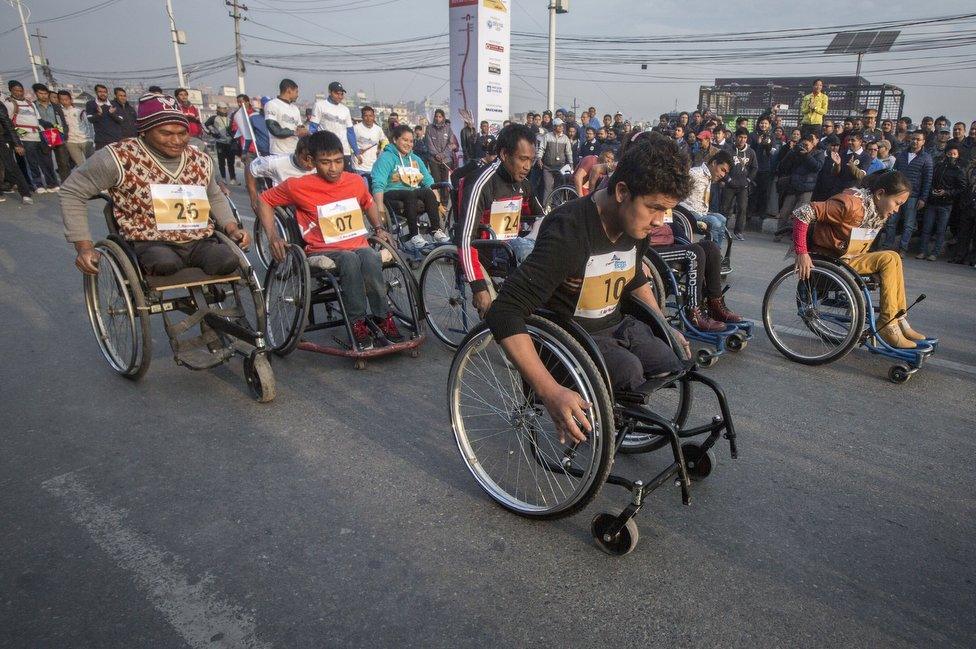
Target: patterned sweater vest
(138,169)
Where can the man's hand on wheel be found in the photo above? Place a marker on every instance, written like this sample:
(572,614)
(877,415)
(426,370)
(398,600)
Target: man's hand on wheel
(278,248)
(482,302)
(804,265)
(239,235)
(87,259)
(568,411)
(682,341)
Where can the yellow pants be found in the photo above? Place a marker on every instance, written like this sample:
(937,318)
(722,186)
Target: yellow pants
(887,266)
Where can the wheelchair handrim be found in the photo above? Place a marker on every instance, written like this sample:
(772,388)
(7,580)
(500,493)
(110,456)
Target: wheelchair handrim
(106,335)
(531,448)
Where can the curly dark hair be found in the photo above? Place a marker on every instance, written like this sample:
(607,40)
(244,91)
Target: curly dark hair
(653,164)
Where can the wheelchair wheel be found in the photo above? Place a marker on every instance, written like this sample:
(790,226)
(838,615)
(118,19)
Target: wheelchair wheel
(445,297)
(814,321)
(117,311)
(261,240)
(288,294)
(401,288)
(505,434)
(560,195)
(672,403)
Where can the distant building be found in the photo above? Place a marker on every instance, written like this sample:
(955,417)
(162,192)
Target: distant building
(751,97)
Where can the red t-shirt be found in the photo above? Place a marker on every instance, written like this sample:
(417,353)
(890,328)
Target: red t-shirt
(339,207)
(195,128)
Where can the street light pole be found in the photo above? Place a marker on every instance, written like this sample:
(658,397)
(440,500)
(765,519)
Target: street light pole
(30,51)
(237,16)
(176,43)
(551,94)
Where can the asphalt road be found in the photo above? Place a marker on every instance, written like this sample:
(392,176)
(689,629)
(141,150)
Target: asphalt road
(178,512)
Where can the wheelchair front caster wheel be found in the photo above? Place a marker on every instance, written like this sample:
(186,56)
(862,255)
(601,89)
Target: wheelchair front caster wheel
(260,378)
(736,343)
(616,546)
(899,374)
(360,364)
(698,463)
(705,358)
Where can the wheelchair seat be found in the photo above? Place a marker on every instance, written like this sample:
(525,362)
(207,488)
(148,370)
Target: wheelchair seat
(185,277)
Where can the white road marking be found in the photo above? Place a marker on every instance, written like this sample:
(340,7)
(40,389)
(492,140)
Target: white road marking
(198,613)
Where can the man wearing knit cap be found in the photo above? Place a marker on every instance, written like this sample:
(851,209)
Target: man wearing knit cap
(165,199)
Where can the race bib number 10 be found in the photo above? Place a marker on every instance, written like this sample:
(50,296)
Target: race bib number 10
(180,207)
(341,220)
(604,282)
(505,217)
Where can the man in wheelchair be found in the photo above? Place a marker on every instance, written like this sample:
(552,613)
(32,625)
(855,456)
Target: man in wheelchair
(587,256)
(165,199)
(846,226)
(702,178)
(499,197)
(400,176)
(329,208)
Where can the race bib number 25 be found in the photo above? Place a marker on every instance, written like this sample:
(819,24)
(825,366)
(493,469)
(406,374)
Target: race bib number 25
(180,207)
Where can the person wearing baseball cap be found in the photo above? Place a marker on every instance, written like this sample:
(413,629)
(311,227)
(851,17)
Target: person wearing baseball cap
(334,116)
(165,200)
(218,126)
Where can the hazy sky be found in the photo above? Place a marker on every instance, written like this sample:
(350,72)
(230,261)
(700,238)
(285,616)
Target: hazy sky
(131,35)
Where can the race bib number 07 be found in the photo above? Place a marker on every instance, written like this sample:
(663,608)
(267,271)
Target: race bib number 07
(505,218)
(341,220)
(604,282)
(180,207)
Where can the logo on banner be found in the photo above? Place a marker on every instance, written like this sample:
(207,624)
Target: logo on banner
(495,24)
(494,68)
(493,108)
(494,47)
(494,88)
(497,5)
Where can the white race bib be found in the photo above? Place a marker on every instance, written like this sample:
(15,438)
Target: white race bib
(180,207)
(861,239)
(341,220)
(604,281)
(505,218)
(410,176)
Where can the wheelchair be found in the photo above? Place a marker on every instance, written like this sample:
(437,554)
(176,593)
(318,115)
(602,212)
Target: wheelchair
(509,444)
(821,319)
(293,289)
(563,192)
(400,230)
(120,300)
(668,276)
(684,217)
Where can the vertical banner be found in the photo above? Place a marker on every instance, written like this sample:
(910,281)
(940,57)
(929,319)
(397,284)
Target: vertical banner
(480,43)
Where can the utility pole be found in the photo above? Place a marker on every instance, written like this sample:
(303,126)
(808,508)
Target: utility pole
(30,52)
(178,39)
(555,7)
(45,65)
(236,9)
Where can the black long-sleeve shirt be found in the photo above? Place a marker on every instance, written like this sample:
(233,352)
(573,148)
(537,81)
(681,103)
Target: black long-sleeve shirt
(572,245)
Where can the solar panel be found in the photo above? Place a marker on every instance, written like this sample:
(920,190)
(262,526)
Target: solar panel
(840,43)
(884,41)
(869,42)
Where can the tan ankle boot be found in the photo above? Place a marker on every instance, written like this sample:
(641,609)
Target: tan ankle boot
(908,332)
(892,335)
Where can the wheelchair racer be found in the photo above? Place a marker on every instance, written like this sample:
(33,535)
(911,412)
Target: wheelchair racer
(166,201)
(329,206)
(587,256)
(847,225)
(277,168)
(499,196)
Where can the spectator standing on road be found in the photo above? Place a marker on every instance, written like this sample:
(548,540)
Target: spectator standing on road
(828,180)
(370,140)
(195,126)
(853,162)
(916,165)
(126,111)
(391,123)
(104,118)
(219,128)
(802,164)
(813,108)
(442,149)
(334,116)
(51,118)
(765,146)
(966,229)
(884,154)
(948,183)
(37,154)
(874,163)
(963,143)
(78,144)
(469,141)
(283,119)
(9,145)
(741,177)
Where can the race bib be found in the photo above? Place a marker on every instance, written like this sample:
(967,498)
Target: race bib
(180,207)
(410,176)
(505,216)
(668,217)
(603,283)
(861,239)
(341,220)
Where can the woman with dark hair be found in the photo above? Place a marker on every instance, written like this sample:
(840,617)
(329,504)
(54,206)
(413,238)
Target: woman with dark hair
(846,225)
